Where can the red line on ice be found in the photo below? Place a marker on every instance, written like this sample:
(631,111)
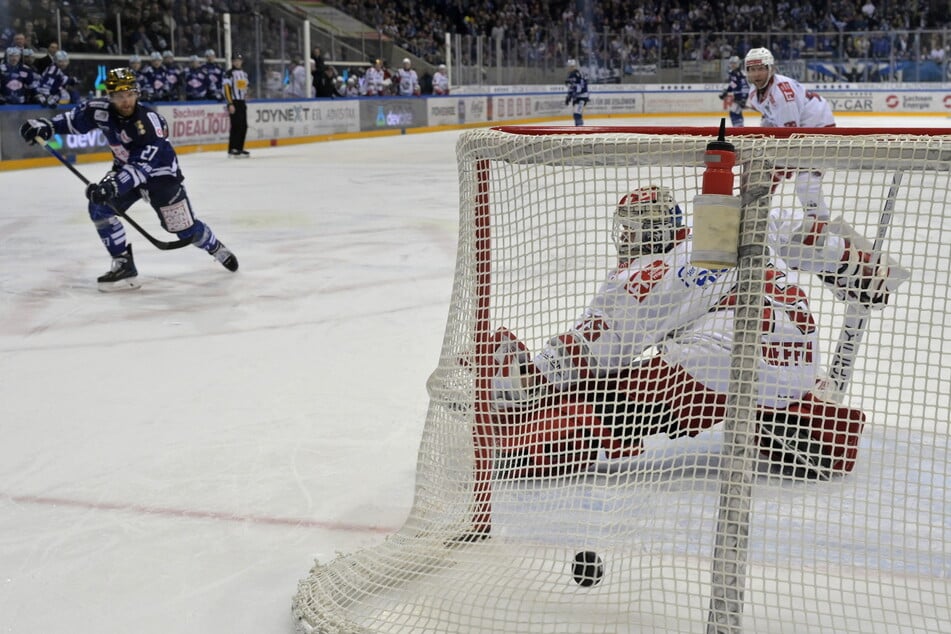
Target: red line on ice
(199,514)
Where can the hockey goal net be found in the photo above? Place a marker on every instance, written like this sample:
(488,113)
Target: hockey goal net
(694,532)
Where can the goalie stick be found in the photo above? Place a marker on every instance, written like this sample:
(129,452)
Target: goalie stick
(835,385)
(158,244)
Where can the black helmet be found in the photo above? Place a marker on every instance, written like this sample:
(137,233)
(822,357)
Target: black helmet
(120,79)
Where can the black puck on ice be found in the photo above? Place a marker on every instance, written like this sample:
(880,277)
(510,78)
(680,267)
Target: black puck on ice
(588,568)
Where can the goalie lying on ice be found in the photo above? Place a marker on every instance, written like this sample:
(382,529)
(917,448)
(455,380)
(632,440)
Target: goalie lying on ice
(651,352)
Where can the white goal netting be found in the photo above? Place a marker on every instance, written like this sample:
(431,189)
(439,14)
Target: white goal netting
(710,508)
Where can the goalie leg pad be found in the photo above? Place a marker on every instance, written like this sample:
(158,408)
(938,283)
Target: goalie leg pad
(678,404)
(812,439)
(560,437)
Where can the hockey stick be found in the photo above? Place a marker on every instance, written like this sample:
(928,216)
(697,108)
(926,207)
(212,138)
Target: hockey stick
(857,316)
(158,244)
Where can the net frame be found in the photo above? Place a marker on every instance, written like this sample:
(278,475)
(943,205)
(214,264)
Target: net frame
(422,548)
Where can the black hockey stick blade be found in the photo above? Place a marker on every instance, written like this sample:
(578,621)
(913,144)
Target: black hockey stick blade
(158,244)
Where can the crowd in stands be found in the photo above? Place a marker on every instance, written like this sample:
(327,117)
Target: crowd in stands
(603,34)
(145,27)
(539,32)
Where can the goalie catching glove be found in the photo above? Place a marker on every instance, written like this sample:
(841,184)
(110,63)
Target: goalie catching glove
(864,276)
(859,279)
(32,128)
(103,191)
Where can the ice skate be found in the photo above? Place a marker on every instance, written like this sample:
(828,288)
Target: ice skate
(224,255)
(123,276)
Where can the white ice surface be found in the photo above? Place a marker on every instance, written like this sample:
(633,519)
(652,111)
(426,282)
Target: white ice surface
(173,459)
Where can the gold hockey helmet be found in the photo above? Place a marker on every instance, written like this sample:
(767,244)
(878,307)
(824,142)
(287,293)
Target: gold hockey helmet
(120,79)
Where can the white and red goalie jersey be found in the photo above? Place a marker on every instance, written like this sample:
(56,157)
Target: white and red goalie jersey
(665,303)
(785,103)
(686,313)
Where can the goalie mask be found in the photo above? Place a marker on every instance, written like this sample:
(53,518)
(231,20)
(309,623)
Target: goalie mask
(647,221)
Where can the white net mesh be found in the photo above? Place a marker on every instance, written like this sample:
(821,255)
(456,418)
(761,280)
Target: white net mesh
(694,482)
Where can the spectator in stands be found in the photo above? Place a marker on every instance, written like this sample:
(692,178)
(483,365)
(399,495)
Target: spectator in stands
(141,42)
(42,63)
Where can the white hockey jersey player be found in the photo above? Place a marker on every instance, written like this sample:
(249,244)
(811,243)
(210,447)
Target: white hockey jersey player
(783,101)
(373,80)
(408,81)
(441,81)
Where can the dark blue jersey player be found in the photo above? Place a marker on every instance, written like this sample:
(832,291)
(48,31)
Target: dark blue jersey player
(735,94)
(145,166)
(577,96)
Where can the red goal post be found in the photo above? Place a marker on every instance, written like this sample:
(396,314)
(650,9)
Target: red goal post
(696,532)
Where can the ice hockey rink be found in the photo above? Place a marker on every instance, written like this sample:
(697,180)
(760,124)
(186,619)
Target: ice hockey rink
(174,459)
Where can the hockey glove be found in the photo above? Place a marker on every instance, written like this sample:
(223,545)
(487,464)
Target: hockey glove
(860,279)
(33,128)
(567,101)
(104,191)
(514,380)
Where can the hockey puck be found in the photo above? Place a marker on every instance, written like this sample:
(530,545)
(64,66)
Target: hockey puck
(588,568)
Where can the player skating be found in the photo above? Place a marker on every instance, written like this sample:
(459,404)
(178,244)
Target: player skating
(736,91)
(785,103)
(651,352)
(145,166)
(577,96)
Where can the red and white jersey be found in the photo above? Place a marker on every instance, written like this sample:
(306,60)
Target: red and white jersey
(785,103)
(408,82)
(686,313)
(440,83)
(373,81)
